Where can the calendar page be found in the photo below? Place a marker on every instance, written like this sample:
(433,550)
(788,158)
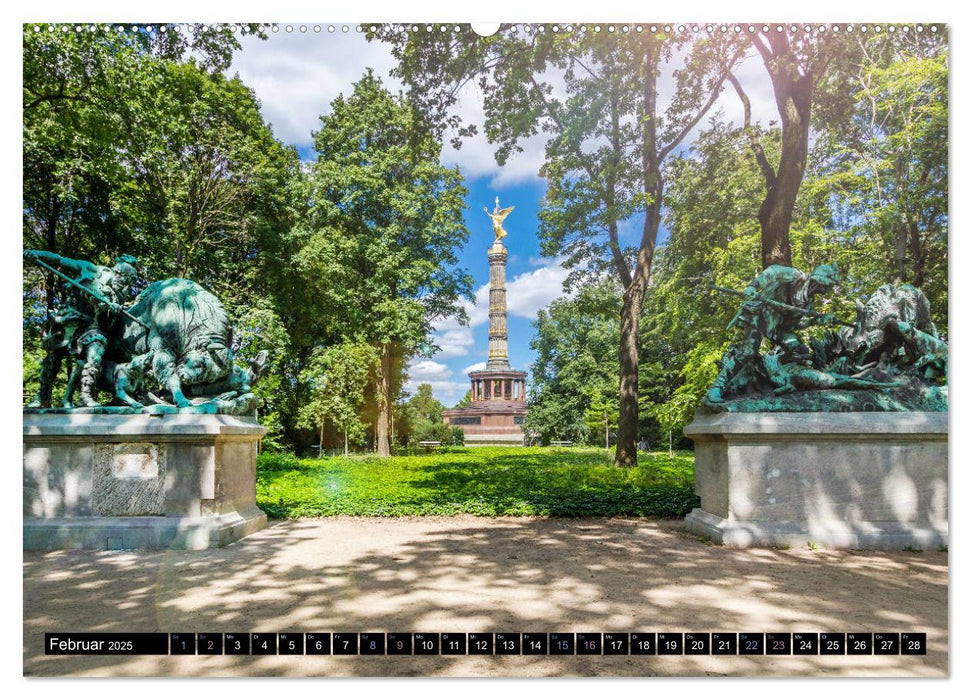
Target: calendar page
(602,348)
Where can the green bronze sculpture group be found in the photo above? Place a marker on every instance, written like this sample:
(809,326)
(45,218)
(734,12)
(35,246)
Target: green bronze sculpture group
(169,350)
(890,358)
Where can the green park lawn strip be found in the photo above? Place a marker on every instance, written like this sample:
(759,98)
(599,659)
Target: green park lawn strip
(487,481)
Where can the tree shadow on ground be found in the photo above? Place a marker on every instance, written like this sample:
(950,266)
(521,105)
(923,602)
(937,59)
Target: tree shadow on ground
(489,575)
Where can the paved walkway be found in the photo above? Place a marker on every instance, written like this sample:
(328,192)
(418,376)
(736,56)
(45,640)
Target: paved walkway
(471,574)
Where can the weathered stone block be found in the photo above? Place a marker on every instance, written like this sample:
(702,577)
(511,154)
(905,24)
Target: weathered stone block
(139,481)
(836,479)
(129,479)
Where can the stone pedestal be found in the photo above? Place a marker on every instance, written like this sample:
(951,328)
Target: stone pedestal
(139,481)
(857,480)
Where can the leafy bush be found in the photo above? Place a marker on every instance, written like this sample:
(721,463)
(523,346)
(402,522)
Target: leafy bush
(478,481)
(436,432)
(457,438)
(276,461)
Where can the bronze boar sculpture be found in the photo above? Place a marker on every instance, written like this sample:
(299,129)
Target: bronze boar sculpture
(172,349)
(890,358)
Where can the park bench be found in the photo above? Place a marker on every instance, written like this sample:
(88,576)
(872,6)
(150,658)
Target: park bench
(428,444)
(561,443)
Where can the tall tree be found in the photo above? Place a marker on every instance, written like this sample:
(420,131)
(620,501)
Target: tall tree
(598,97)
(883,154)
(796,62)
(88,96)
(206,178)
(424,405)
(574,376)
(378,248)
(338,376)
(425,418)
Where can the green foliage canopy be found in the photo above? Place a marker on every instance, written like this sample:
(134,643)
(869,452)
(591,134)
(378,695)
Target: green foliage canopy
(338,376)
(597,97)
(377,247)
(574,376)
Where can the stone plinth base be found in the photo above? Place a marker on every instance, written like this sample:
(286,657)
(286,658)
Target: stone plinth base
(858,480)
(139,481)
(489,422)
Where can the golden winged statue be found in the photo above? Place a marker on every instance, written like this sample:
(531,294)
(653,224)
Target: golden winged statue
(497,216)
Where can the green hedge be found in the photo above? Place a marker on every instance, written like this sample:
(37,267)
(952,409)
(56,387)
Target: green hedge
(477,481)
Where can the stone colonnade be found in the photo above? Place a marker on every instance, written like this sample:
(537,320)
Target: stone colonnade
(498,389)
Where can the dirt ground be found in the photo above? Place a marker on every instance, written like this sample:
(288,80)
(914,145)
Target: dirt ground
(470,574)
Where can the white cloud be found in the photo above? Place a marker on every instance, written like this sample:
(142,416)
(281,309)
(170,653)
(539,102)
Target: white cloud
(454,339)
(534,290)
(477,158)
(753,76)
(424,371)
(477,367)
(751,73)
(296,76)
(478,312)
(526,294)
(455,342)
(439,376)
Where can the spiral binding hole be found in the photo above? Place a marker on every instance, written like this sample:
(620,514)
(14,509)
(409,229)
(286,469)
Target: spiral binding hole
(458,29)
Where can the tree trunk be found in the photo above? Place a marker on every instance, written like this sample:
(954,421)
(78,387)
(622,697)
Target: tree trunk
(384,403)
(627,422)
(775,214)
(345,442)
(918,254)
(902,227)
(320,440)
(900,253)
(50,238)
(793,83)
(635,282)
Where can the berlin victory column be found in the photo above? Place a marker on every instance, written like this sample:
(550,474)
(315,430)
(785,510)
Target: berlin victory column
(498,406)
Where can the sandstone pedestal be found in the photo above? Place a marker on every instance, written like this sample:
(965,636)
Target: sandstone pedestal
(139,481)
(857,480)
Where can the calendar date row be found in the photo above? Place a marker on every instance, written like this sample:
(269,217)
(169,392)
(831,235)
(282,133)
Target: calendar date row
(489,643)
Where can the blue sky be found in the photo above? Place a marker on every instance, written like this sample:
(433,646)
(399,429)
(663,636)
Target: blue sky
(297,74)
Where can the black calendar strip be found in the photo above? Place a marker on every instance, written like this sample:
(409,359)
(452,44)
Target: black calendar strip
(487,643)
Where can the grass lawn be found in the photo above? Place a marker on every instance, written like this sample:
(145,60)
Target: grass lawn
(478,481)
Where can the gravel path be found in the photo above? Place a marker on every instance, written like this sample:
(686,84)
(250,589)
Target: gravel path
(468,574)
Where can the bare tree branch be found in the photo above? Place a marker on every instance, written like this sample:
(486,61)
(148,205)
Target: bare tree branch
(762,48)
(704,110)
(767,171)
